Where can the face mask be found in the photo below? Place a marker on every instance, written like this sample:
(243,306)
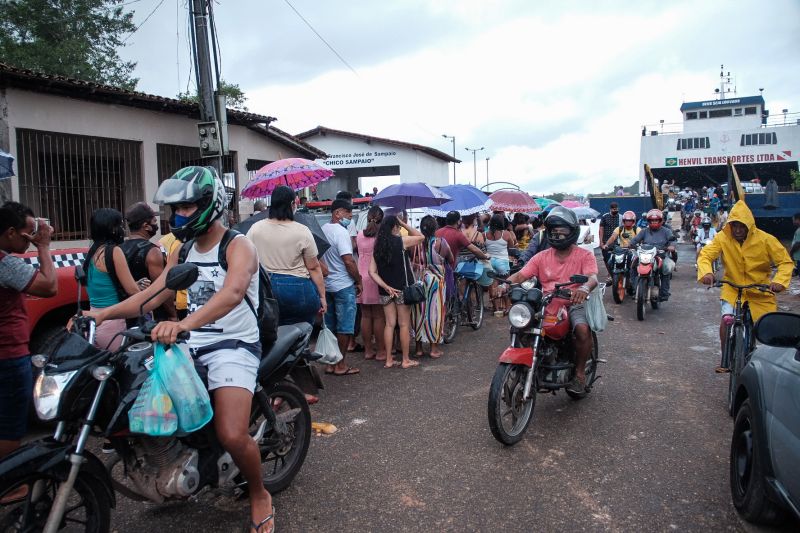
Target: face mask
(345,222)
(151,230)
(179,221)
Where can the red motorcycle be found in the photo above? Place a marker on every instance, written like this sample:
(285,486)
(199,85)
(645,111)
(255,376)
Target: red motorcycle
(541,357)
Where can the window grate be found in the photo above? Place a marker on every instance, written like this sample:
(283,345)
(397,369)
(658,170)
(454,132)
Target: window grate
(65,177)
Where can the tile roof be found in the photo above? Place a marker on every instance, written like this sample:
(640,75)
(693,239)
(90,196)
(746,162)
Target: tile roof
(322,130)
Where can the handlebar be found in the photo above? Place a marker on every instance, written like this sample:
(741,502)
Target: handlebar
(760,286)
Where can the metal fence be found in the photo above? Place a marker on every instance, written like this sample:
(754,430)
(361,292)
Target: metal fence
(66,177)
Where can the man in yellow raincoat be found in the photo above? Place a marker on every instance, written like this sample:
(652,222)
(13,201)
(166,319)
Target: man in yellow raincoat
(748,255)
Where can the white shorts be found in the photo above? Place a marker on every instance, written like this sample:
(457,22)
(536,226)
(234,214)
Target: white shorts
(231,368)
(726,308)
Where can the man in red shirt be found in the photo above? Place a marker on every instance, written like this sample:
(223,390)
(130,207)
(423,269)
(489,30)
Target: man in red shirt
(456,239)
(18,230)
(556,265)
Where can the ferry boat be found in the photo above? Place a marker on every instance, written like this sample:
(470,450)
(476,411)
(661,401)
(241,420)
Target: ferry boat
(763,146)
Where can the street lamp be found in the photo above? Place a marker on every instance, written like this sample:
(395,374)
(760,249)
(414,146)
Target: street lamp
(785,111)
(474,163)
(487,173)
(453,139)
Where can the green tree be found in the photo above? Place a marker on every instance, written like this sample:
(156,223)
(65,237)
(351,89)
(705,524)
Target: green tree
(236,97)
(75,38)
(558,196)
(795,179)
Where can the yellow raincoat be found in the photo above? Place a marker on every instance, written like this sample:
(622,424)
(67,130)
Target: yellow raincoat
(748,262)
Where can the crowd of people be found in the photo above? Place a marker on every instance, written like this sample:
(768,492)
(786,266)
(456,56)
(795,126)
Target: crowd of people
(359,288)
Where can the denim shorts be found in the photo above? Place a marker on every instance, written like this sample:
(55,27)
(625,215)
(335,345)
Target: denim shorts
(341,315)
(297,297)
(726,308)
(16,387)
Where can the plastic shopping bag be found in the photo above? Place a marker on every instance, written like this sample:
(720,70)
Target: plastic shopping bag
(327,347)
(188,393)
(153,412)
(595,310)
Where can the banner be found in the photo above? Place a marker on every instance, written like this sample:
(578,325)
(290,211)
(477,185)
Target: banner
(655,192)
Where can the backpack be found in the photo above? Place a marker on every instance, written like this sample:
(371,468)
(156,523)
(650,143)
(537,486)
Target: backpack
(267,314)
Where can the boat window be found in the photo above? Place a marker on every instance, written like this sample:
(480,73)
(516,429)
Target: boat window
(678,147)
(683,144)
(762,138)
(708,143)
(703,114)
(748,140)
(717,113)
(774,138)
(691,115)
(741,140)
(749,110)
(737,112)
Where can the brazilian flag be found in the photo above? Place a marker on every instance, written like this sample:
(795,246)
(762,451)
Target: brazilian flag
(671,162)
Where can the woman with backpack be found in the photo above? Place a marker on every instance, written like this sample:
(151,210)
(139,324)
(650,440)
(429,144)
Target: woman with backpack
(431,258)
(109,280)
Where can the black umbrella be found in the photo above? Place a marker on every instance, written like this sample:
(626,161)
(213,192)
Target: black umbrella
(306,219)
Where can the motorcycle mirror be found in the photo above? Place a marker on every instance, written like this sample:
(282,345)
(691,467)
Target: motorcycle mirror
(577,278)
(80,275)
(182,276)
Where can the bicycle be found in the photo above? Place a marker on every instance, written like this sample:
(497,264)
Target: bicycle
(463,308)
(739,340)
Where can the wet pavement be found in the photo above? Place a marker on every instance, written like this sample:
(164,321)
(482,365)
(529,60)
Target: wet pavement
(646,451)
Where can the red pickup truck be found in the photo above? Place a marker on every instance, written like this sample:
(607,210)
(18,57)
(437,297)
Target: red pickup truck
(48,316)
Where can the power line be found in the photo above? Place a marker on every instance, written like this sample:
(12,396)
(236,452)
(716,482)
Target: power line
(321,38)
(142,24)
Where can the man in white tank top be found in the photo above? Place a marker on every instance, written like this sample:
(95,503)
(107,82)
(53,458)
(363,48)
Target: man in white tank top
(218,311)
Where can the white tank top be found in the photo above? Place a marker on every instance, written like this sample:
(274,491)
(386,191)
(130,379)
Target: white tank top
(240,323)
(497,249)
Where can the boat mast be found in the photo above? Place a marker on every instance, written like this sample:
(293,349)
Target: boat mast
(725,84)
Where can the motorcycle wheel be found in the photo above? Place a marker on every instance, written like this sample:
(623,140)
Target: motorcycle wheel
(641,298)
(283,456)
(475,307)
(591,370)
(452,320)
(509,415)
(619,288)
(88,507)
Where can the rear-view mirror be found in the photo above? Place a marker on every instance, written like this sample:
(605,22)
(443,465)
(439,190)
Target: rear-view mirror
(779,329)
(182,276)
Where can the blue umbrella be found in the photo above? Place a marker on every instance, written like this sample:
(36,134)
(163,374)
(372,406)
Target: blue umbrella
(410,195)
(466,199)
(6,165)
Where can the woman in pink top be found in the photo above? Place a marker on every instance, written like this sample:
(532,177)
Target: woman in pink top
(372,319)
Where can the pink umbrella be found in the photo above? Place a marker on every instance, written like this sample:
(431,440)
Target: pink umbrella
(293,172)
(516,201)
(572,203)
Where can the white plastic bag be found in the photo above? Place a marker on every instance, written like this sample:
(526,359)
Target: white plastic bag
(595,310)
(327,347)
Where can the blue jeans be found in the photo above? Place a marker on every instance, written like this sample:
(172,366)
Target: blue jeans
(341,315)
(16,388)
(297,297)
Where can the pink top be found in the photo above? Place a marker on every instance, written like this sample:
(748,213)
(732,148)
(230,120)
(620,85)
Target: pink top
(551,270)
(369,294)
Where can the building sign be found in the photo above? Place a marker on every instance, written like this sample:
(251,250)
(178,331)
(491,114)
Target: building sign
(377,158)
(784,155)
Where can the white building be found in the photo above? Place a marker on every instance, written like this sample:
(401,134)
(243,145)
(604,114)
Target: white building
(81,145)
(354,155)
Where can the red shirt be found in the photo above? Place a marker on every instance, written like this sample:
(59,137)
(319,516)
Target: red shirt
(455,239)
(15,277)
(551,270)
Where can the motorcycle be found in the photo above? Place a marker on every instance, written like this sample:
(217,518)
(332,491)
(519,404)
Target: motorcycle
(620,273)
(649,262)
(540,358)
(89,391)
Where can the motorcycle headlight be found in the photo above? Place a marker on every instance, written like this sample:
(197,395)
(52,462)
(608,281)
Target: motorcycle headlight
(646,258)
(47,393)
(520,315)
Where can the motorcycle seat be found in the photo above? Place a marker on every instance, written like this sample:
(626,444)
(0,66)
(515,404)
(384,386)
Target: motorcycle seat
(287,336)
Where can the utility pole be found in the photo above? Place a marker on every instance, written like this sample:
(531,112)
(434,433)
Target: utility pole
(474,164)
(453,139)
(209,128)
(487,173)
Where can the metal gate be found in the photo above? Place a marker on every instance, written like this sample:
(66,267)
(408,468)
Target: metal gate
(66,177)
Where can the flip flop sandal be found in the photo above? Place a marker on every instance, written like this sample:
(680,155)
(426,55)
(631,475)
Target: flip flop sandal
(350,371)
(394,364)
(261,524)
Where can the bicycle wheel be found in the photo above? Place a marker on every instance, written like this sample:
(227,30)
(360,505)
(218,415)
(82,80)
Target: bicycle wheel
(737,358)
(474,306)
(452,320)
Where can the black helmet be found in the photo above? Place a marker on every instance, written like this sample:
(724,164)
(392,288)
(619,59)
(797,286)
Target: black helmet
(561,216)
(193,185)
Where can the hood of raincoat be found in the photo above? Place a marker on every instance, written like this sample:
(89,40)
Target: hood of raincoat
(748,262)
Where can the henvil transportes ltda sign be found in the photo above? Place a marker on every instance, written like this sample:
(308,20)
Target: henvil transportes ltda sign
(784,155)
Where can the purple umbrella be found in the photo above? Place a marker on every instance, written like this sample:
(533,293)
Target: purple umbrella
(410,195)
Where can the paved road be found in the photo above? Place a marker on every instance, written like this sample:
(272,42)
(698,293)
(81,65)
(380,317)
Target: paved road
(646,451)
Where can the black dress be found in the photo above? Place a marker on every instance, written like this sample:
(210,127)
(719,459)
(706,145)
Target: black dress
(392,271)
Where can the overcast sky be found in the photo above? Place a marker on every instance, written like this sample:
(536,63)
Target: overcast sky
(556,92)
